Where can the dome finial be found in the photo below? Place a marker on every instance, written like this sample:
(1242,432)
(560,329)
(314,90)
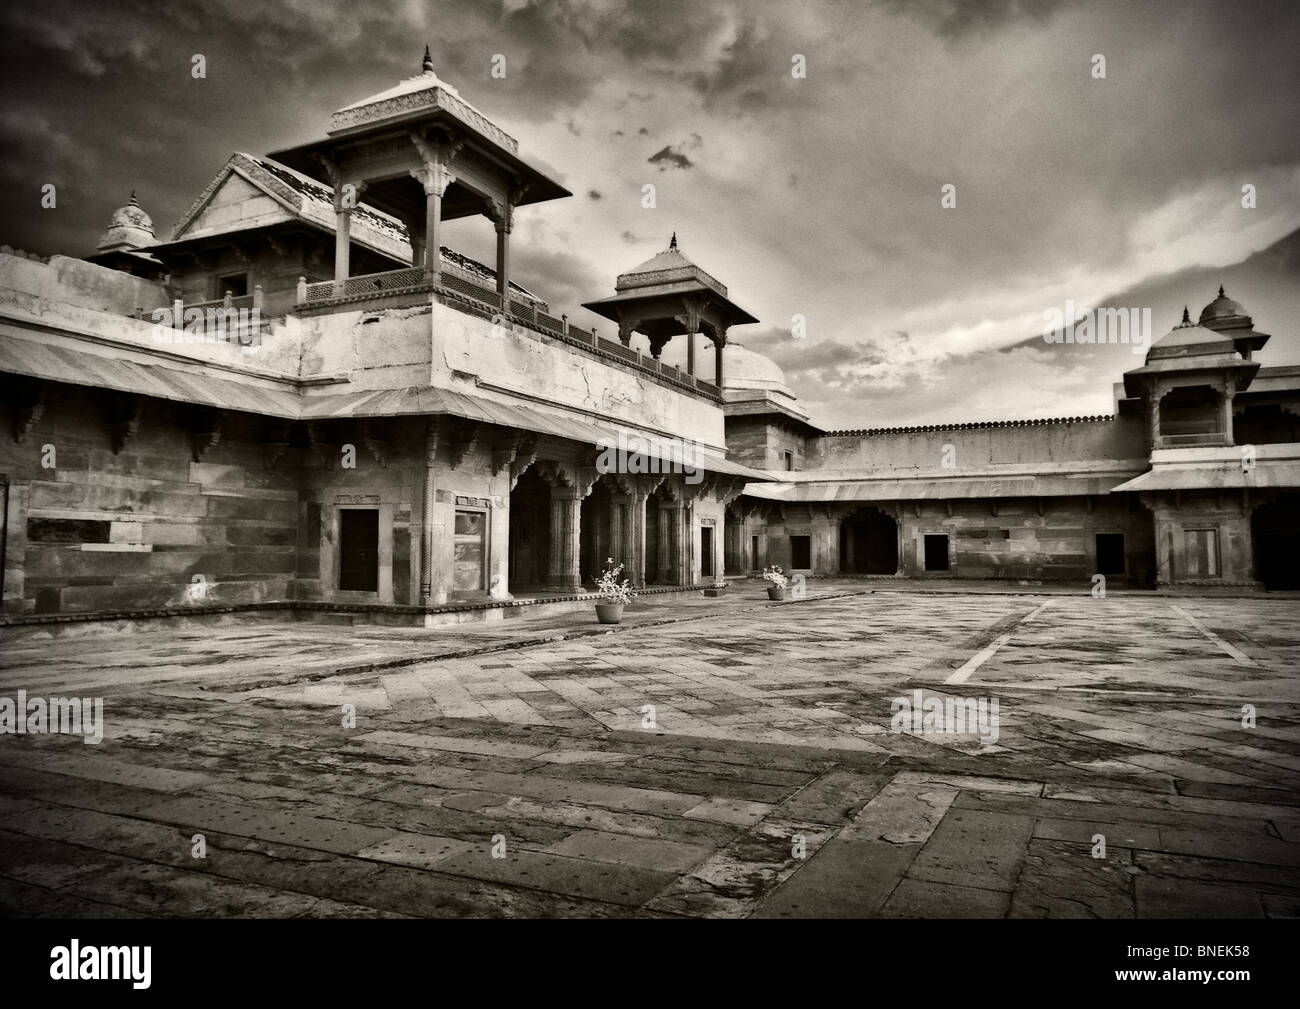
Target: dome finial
(1187,318)
(1221,294)
(427,65)
(134,201)
(672,244)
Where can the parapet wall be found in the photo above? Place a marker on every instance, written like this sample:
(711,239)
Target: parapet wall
(984,444)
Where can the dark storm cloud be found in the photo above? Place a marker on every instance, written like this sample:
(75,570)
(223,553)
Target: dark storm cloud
(1068,186)
(953,19)
(670,157)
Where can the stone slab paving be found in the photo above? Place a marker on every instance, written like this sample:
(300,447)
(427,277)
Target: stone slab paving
(724,757)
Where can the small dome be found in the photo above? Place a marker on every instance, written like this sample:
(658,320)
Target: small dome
(1222,308)
(129,228)
(744,369)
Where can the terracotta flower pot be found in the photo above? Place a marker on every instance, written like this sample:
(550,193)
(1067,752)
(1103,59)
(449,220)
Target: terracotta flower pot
(609,613)
(773,592)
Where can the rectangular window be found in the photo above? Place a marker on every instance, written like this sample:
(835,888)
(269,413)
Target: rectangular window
(706,551)
(359,549)
(800,552)
(789,460)
(469,540)
(235,283)
(68,530)
(1202,546)
(936,553)
(1110,553)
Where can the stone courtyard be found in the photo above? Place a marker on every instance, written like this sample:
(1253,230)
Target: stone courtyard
(728,757)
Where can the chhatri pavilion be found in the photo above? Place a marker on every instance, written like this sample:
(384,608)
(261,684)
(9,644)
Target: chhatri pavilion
(301,399)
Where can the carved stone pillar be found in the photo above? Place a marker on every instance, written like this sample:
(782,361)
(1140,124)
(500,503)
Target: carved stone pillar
(690,320)
(428,498)
(634,529)
(342,247)
(434,176)
(502,214)
(566,514)
(719,341)
(1228,393)
(1153,418)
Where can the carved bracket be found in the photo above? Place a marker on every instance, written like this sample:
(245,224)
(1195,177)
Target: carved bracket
(205,432)
(124,424)
(462,442)
(29,407)
(377,438)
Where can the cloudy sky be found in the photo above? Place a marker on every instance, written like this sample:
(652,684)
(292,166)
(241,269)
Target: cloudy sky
(817,196)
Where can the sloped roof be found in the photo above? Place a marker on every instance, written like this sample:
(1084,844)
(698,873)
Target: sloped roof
(312,202)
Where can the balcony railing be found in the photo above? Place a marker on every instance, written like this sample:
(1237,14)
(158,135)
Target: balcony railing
(487,300)
(1205,438)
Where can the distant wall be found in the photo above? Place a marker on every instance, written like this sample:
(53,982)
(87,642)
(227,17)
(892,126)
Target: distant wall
(79,283)
(1121,437)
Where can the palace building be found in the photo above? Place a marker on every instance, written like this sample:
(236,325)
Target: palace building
(302,400)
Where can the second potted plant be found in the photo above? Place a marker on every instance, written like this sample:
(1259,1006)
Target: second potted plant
(778,582)
(611,594)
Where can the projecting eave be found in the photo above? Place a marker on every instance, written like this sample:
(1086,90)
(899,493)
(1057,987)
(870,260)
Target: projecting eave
(1139,379)
(539,185)
(765,406)
(610,307)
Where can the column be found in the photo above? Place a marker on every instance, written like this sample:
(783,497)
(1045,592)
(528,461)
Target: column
(566,516)
(434,176)
(342,244)
(428,498)
(635,530)
(1153,418)
(618,540)
(898,524)
(503,218)
(690,353)
(1228,393)
(719,341)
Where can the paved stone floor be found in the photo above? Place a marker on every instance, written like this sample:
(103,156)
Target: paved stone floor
(712,757)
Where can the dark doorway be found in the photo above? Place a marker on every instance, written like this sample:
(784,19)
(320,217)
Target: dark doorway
(530,532)
(732,564)
(359,549)
(936,553)
(868,543)
(1110,554)
(595,548)
(753,553)
(654,574)
(1275,535)
(800,552)
(706,551)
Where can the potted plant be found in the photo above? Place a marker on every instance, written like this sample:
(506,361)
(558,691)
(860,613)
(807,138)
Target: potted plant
(716,589)
(779,582)
(611,594)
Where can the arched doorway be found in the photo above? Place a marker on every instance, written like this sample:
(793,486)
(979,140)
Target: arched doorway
(868,543)
(1275,537)
(530,532)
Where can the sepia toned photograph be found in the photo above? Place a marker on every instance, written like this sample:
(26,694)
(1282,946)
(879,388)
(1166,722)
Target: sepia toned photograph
(614,459)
